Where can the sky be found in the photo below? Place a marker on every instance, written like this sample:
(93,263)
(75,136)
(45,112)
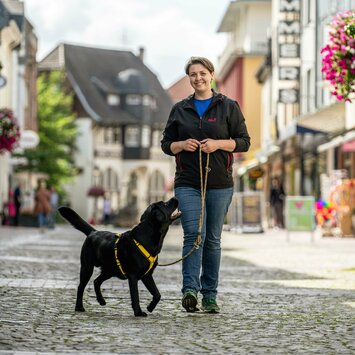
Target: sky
(171,31)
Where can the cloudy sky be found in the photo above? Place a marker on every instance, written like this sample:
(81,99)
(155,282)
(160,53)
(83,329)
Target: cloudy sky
(170,30)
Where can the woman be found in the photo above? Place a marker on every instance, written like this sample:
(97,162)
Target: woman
(42,205)
(277,198)
(213,123)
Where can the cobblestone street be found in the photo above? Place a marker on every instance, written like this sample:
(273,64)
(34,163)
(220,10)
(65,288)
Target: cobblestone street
(277,297)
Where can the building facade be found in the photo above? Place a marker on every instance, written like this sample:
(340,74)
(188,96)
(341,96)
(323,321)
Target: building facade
(243,54)
(18,48)
(121,111)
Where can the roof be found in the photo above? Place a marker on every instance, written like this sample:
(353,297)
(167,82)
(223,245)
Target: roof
(180,89)
(229,19)
(95,72)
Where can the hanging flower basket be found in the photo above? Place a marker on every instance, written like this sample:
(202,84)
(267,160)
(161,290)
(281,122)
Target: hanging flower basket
(96,191)
(9,131)
(339,56)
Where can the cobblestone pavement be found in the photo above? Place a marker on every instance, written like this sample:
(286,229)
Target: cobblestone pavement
(277,297)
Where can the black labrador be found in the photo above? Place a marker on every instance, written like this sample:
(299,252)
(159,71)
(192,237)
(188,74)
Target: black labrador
(131,255)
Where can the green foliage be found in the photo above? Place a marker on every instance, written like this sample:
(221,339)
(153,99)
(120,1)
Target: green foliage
(57,131)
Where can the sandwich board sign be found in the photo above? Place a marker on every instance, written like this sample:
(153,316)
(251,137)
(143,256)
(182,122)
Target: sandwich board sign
(300,213)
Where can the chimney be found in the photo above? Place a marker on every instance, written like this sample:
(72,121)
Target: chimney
(141,54)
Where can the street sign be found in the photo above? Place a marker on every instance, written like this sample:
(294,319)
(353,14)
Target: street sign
(300,213)
(28,139)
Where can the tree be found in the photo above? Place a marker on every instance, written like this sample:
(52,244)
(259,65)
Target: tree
(57,132)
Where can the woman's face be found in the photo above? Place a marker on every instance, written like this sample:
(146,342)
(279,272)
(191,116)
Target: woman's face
(200,78)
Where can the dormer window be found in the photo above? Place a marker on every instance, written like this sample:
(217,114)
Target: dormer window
(146,100)
(113,99)
(133,100)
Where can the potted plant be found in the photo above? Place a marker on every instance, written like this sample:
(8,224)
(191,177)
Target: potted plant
(9,131)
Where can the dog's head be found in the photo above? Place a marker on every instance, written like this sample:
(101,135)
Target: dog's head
(162,212)
(160,215)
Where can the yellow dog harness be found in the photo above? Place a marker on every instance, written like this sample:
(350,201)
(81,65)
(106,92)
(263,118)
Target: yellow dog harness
(152,259)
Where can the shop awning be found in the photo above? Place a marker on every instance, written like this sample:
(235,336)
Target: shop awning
(349,146)
(329,119)
(296,128)
(250,164)
(337,141)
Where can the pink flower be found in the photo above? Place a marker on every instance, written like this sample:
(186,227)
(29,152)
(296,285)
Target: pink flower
(9,130)
(339,55)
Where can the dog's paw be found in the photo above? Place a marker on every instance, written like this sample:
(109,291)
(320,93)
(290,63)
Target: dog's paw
(150,308)
(140,314)
(79,309)
(102,302)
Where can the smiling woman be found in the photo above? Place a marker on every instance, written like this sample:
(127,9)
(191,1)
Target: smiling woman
(204,127)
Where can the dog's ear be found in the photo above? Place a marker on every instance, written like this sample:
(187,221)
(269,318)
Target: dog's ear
(146,213)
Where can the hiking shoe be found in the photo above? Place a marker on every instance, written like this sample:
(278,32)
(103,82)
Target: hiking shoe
(189,301)
(209,305)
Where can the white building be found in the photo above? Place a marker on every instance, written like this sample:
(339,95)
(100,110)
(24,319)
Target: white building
(121,111)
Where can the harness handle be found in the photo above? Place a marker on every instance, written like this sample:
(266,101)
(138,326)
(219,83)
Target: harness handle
(203,184)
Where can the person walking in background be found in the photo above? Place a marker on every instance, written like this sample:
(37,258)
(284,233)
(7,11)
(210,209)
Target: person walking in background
(277,199)
(212,122)
(42,205)
(18,202)
(54,205)
(107,210)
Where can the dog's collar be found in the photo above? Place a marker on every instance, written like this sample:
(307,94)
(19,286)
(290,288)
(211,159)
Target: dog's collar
(152,259)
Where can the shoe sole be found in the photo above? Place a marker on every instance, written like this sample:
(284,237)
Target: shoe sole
(190,303)
(211,311)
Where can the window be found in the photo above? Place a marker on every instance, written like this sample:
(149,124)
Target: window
(156,187)
(145,136)
(112,135)
(113,99)
(132,137)
(133,100)
(156,139)
(146,100)
(110,180)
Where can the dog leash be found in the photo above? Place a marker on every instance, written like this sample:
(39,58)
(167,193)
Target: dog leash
(203,184)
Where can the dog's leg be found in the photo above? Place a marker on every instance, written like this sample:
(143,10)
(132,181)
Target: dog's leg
(97,284)
(149,283)
(133,289)
(85,274)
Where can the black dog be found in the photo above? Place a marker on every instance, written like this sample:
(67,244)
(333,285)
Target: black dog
(131,255)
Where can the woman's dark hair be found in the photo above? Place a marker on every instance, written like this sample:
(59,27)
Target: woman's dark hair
(199,60)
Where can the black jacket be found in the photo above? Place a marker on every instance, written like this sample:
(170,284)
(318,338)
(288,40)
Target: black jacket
(223,119)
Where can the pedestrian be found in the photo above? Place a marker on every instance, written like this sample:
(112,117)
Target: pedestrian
(107,210)
(11,208)
(18,202)
(277,198)
(214,123)
(42,205)
(54,205)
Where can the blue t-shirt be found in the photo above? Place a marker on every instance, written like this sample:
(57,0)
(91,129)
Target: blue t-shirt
(201,105)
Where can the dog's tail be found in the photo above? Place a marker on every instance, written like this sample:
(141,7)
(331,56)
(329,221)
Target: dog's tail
(75,220)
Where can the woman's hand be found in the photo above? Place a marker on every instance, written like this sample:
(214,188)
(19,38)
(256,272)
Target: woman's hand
(209,145)
(190,145)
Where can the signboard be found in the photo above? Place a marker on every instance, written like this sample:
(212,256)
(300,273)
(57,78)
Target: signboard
(300,213)
(251,214)
(288,55)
